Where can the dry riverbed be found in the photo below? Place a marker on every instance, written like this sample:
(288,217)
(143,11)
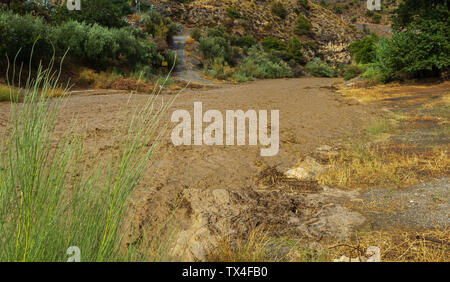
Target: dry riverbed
(221,195)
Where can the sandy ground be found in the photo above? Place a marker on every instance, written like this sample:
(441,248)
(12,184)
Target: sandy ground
(311,115)
(213,186)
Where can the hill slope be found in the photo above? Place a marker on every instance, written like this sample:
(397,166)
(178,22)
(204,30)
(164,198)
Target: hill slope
(330,37)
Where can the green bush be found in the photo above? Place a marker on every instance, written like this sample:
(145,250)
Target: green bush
(324,3)
(233,13)
(352,71)
(217,31)
(304,4)
(215,47)
(318,68)
(95,45)
(364,51)
(271,43)
(20,33)
(108,13)
(376,19)
(292,51)
(259,64)
(277,8)
(338,10)
(246,41)
(159,26)
(196,34)
(302,26)
(374,73)
(422,50)
(295,50)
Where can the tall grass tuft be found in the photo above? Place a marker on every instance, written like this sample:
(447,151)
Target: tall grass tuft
(49,200)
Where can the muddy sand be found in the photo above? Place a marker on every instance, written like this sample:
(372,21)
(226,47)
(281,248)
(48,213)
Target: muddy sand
(227,185)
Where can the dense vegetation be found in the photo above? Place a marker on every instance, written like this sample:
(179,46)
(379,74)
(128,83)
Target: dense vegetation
(97,37)
(239,58)
(419,46)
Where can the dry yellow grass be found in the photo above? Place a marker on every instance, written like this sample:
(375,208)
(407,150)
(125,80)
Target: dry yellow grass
(394,90)
(395,246)
(6,93)
(227,248)
(383,164)
(398,245)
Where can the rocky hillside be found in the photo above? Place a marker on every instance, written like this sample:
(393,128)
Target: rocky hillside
(329,39)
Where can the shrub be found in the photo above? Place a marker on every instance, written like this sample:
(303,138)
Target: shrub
(92,44)
(246,41)
(20,33)
(217,31)
(196,34)
(262,65)
(220,69)
(295,50)
(364,51)
(376,19)
(271,43)
(323,3)
(159,26)
(233,13)
(215,47)
(374,73)
(352,71)
(103,12)
(303,26)
(422,50)
(318,68)
(277,8)
(338,9)
(304,4)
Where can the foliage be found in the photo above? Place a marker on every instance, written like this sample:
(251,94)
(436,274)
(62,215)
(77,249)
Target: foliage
(92,44)
(277,8)
(374,73)
(422,50)
(295,50)
(302,26)
(196,34)
(271,43)
(304,4)
(215,47)
(259,64)
(233,13)
(49,201)
(108,13)
(364,51)
(410,10)
(159,26)
(246,41)
(319,68)
(292,51)
(352,71)
(376,19)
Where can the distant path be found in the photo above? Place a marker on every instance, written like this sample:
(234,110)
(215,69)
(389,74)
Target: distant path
(182,70)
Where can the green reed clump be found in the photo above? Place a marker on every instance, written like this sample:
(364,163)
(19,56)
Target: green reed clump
(50,201)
